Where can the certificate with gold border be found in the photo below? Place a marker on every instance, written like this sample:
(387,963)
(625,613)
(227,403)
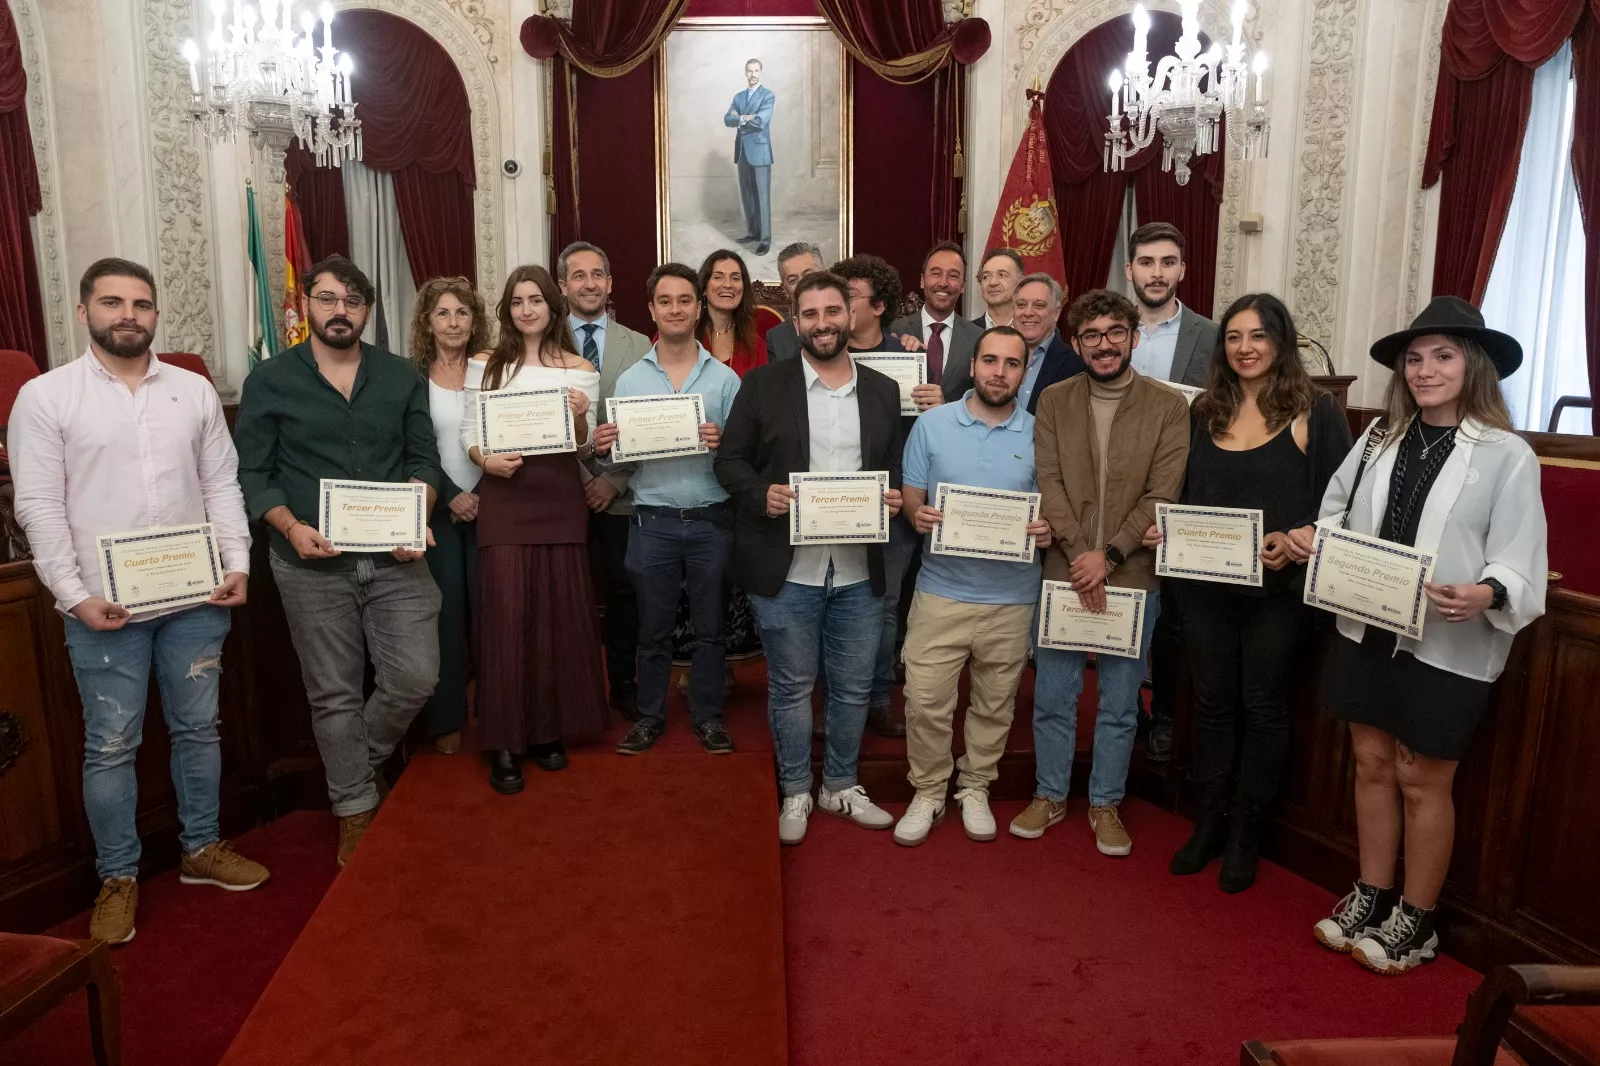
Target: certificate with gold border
(982,523)
(1369,579)
(905,369)
(1065,624)
(373,516)
(525,422)
(846,508)
(1221,544)
(154,569)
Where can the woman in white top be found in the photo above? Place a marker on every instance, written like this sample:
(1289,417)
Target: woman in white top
(449,324)
(1442,472)
(539,673)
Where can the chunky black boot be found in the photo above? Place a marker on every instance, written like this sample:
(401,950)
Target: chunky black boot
(505,773)
(1210,833)
(1244,843)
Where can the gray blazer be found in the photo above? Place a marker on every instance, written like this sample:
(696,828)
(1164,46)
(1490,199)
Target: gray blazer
(624,347)
(782,341)
(958,348)
(1191,358)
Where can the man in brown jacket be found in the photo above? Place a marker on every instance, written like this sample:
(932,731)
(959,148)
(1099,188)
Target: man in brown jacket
(1109,445)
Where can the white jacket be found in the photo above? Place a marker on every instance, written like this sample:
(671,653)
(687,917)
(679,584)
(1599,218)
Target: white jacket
(1483,518)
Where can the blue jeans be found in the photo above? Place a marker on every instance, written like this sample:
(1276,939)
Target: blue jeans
(904,545)
(666,553)
(799,625)
(113,672)
(1057,685)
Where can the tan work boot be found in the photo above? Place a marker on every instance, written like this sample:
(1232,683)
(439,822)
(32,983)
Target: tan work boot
(448,743)
(1039,815)
(351,830)
(112,920)
(1109,834)
(218,864)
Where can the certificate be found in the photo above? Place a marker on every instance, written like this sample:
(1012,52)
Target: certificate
(1374,581)
(656,427)
(1221,544)
(525,422)
(1188,392)
(984,523)
(153,569)
(839,508)
(1064,622)
(373,516)
(906,369)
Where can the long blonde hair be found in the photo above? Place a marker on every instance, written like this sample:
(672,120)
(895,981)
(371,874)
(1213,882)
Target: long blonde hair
(424,352)
(1480,399)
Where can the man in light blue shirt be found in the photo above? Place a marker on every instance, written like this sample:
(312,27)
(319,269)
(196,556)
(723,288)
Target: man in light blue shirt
(682,522)
(968,609)
(1175,343)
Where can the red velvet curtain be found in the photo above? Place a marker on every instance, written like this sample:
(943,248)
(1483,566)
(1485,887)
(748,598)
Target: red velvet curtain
(319,193)
(892,124)
(1090,200)
(21,305)
(907,41)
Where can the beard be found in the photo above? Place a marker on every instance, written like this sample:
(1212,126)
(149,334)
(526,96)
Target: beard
(348,339)
(1151,302)
(821,335)
(1122,368)
(988,401)
(106,339)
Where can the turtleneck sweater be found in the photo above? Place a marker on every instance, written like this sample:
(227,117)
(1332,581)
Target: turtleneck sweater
(1104,396)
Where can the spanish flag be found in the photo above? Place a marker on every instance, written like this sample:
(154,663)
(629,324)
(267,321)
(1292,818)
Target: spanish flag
(1026,218)
(297,264)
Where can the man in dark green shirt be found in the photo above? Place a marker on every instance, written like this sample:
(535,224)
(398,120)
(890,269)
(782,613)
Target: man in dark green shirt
(332,407)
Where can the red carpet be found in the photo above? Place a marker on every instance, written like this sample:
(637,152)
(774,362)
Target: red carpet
(625,911)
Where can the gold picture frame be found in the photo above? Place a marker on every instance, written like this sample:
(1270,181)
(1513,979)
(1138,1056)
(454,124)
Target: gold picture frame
(700,69)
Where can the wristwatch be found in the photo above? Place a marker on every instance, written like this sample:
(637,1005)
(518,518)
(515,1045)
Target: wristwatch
(1114,556)
(1500,593)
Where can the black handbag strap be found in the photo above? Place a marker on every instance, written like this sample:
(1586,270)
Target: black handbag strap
(1375,436)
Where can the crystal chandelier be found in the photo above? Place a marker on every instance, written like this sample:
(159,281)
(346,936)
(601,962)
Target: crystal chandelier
(257,75)
(1188,98)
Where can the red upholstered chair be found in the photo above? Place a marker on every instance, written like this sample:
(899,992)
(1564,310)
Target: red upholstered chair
(188,361)
(1571,992)
(16,370)
(38,972)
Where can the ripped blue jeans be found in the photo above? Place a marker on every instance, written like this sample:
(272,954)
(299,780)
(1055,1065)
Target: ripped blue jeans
(113,672)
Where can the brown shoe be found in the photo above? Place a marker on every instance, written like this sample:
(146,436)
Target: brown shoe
(218,864)
(448,743)
(1039,815)
(112,920)
(351,830)
(1109,834)
(883,721)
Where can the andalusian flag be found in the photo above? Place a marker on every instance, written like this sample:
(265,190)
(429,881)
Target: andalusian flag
(297,260)
(264,334)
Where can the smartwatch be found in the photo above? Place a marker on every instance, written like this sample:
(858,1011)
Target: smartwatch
(1500,593)
(1114,556)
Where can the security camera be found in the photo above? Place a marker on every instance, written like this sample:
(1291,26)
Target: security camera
(511,167)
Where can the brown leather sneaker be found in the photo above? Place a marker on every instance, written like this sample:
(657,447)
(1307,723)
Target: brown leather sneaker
(218,864)
(351,830)
(112,920)
(1039,815)
(448,743)
(883,721)
(1109,834)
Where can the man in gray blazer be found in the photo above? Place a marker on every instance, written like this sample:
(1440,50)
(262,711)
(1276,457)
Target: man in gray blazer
(1175,343)
(584,274)
(795,261)
(948,338)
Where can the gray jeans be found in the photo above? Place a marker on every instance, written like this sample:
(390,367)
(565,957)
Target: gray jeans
(336,619)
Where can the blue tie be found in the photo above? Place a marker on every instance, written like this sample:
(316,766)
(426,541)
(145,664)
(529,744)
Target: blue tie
(591,350)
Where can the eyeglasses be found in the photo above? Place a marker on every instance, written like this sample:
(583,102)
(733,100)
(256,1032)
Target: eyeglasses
(441,284)
(328,301)
(1092,338)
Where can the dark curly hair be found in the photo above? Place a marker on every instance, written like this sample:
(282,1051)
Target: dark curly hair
(883,278)
(1097,302)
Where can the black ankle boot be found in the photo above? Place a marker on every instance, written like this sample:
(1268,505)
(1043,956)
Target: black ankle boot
(1244,844)
(505,773)
(551,756)
(1209,837)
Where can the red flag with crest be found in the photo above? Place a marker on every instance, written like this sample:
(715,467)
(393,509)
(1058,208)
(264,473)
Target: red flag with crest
(1026,218)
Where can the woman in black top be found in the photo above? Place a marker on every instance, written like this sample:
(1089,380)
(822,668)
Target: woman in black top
(1265,438)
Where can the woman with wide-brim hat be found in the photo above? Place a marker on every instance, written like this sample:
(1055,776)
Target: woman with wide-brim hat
(1443,472)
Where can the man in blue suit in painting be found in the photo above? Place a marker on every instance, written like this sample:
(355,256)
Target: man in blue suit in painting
(751,114)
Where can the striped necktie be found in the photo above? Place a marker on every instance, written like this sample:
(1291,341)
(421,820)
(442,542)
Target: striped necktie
(591,350)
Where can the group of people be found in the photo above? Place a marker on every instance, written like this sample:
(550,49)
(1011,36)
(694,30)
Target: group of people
(1078,408)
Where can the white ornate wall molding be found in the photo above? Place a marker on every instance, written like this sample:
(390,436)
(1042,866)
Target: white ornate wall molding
(1324,159)
(1429,75)
(50,253)
(466,32)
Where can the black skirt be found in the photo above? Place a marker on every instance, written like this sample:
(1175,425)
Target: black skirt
(1431,711)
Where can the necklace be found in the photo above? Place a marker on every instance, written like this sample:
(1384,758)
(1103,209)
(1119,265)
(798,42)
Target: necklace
(1427,445)
(722,332)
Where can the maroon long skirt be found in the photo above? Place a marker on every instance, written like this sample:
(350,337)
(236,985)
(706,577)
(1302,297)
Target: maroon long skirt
(540,676)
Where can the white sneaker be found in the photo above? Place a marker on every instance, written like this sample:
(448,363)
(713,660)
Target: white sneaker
(852,803)
(920,817)
(976,818)
(792,818)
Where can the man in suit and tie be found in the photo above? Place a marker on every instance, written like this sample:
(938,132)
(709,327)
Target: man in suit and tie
(751,115)
(584,273)
(1002,268)
(1036,308)
(1175,343)
(948,338)
(795,261)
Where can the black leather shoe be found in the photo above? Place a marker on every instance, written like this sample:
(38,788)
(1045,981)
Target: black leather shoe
(505,773)
(882,721)
(551,756)
(746,240)
(714,738)
(641,738)
(761,249)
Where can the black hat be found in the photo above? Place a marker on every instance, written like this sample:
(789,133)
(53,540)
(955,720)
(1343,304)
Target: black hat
(1453,317)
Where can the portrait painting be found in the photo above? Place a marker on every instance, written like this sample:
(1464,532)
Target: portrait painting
(753,145)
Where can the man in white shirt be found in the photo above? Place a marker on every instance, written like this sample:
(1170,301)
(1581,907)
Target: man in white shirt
(117,442)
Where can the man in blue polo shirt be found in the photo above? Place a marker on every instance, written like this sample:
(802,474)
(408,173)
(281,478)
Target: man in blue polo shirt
(682,522)
(977,610)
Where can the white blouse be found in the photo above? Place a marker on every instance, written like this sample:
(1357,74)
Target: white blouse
(448,408)
(530,376)
(1483,518)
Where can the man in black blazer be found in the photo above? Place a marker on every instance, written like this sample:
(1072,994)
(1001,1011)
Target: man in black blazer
(795,261)
(817,602)
(1050,358)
